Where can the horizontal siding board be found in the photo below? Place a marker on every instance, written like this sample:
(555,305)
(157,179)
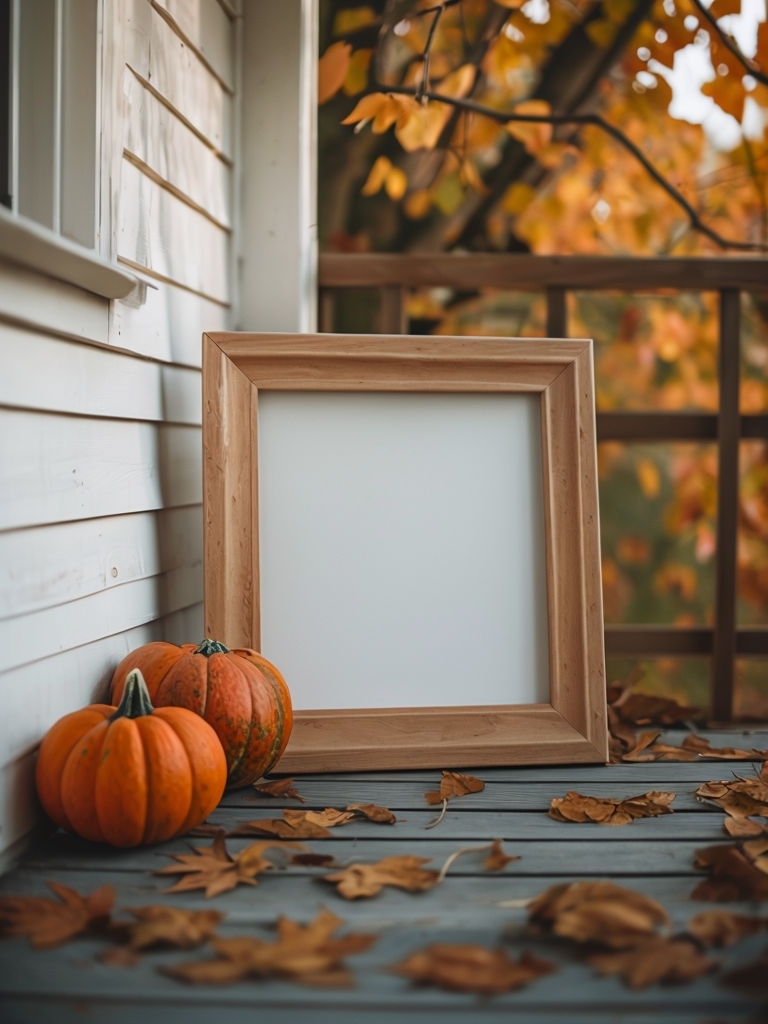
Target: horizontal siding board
(41,302)
(25,638)
(45,566)
(166,323)
(61,468)
(156,53)
(206,25)
(93,381)
(156,137)
(159,233)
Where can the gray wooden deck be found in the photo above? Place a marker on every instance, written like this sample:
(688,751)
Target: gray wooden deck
(653,856)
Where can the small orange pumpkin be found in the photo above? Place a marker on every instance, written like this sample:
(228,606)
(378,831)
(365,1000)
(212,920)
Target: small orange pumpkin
(130,775)
(238,692)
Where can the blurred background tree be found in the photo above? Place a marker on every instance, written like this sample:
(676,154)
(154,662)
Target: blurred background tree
(614,127)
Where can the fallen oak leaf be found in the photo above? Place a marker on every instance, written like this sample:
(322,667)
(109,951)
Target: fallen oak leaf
(732,876)
(308,954)
(280,789)
(720,928)
(401,872)
(601,912)
(170,926)
(744,828)
(373,812)
(701,746)
(454,784)
(287,827)
(215,870)
(653,961)
(647,748)
(757,851)
(469,968)
(496,860)
(296,824)
(740,798)
(49,923)
(576,807)
(648,709)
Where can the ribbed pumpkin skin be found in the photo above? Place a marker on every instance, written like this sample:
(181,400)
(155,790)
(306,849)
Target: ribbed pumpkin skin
(238,692)
(130,776)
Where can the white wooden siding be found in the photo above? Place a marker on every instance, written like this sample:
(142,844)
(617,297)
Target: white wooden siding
(100,408)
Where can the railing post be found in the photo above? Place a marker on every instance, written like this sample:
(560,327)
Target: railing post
(392,310)
(728,433)
(557,326)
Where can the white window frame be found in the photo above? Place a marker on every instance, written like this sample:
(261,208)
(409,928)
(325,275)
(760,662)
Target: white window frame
(54,117)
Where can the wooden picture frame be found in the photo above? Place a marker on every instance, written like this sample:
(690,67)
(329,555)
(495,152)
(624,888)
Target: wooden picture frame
(569,727)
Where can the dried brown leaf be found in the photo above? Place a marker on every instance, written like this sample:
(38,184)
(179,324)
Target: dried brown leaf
(452,785)
(740,798)
(744,828)
(701,746)
(215,870)
(752,976)
(292,825)
(309,954)
(724,927)
(607,811)
(171,926)
(653,961)
(373,812)
(757,851)
(48,923)
(280,789)
(601,912)
(468,968)
(648,709)
(732,875)
(403,872)
(646,749)
(497,860)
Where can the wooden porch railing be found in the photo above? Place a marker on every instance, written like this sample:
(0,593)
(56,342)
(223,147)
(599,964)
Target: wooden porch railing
(395,275)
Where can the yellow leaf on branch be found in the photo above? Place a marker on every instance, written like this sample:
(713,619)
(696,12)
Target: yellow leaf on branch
(332,70)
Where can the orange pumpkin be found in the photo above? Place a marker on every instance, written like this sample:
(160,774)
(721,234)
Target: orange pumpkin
(130,775)
(238,692)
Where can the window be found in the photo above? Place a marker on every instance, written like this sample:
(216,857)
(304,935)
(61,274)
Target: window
(49,142)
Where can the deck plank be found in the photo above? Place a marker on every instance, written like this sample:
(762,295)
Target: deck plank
(652,856)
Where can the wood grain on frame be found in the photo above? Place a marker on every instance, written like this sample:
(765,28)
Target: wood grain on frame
(572,726)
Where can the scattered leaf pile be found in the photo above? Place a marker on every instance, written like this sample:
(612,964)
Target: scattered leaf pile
(603,914)
(607,811)
(311,954)
(469,968)
(48,923)
(215,870)
(315,824)
(614,930)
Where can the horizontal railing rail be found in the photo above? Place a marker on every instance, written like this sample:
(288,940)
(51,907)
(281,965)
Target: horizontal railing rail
(395,275)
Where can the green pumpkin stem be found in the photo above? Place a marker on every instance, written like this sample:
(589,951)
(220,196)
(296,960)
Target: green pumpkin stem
(135,701)
(209,647)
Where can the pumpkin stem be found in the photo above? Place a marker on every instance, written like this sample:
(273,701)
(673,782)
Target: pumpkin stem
(135,701)
(209,647)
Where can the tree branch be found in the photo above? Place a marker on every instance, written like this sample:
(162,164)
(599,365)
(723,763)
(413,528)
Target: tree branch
(596,121)
(750,66)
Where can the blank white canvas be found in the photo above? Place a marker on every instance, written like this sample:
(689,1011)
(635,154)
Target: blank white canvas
(402,559)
